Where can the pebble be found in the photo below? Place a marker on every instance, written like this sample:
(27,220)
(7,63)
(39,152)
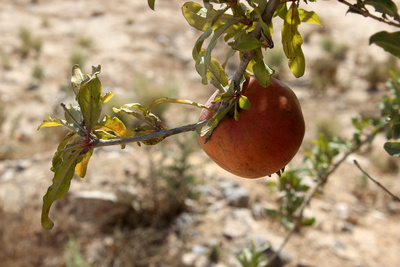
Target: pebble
(234,229)
(237,196)
(342,210)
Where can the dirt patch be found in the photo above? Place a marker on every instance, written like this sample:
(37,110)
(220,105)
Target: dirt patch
(357,224)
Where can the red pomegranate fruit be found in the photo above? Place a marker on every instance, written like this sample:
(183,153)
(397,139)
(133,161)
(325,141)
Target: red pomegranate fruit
(264,139)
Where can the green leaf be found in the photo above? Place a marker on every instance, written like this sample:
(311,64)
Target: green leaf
(57,158)
(309,17)
(386,7)
(297,64)
(214,121)
(388,41)
(216,75)
(63,174)
(292,41)
(244,102)
(245,42)
(261,71)
(151,3)
(199,43)
(308,222)
(203,56)
(392,148)
(89,99)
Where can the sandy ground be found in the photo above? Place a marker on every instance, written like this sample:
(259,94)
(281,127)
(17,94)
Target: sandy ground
(357,224)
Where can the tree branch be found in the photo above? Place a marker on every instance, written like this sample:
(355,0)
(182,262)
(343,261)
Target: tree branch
(363,11)
(159,134)
(322,180)
(394,197)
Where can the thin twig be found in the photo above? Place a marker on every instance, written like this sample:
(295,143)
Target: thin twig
(365,13)
(159,134)
(394,197)
(73,118)
(322,180)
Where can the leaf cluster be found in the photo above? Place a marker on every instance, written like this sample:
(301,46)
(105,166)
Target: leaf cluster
(247,31)
(252,257)
(87,131)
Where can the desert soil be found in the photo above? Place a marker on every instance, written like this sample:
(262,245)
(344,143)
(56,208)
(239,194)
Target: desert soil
(356,222)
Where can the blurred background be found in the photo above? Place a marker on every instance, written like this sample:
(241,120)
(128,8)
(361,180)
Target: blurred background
(168,205)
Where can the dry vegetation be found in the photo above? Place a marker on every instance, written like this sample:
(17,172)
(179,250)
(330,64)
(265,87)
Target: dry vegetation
(160,206)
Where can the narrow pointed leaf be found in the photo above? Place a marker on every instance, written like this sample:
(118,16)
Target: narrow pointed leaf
(90,101)
(151,3)
(57,158)
(61,183)
(246,42)
(216,75)
(214,121)
(262,73)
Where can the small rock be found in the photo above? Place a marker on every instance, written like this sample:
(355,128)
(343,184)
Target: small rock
(186,220)
(234,230)
(342,210)
(209,190)
(23,164)
(217,205)
(348,228)
(199,250)
(258,211)
(245,216)
(92,206)
(7,175)
(188,259)
(237,196)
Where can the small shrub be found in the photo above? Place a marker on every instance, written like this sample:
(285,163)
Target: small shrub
(85,42)
(78,57)
(29,42)
(38,72)
(5,61)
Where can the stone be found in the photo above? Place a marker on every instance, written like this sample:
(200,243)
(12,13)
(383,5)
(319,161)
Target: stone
(237,196)
(234,229)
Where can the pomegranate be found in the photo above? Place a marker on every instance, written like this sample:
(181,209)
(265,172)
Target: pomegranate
(264,139)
